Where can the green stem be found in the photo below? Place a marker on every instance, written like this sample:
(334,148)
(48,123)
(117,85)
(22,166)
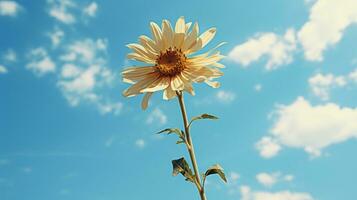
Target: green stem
(189,146)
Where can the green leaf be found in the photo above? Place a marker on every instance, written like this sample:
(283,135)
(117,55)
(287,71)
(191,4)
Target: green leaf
(171,130)
(180,166)
(216,169)
(204,116)
(177,131)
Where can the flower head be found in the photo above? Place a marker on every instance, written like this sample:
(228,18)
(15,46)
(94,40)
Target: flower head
(170,65)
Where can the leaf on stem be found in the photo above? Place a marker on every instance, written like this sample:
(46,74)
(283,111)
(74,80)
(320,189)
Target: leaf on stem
(215,169)
(177,131)
(180,166)
(203,116)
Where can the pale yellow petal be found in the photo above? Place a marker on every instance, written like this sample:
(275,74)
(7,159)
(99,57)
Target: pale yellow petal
(187,84)
(207,36)
(159,84)
(168,93)
(191,38)
(149,44)
(167,33)
(137,87)
(213,84)
(187,27)
(176,83)
(180,25)
(138,57)
(157,34)
(145,102)
(137,48)
(203,40)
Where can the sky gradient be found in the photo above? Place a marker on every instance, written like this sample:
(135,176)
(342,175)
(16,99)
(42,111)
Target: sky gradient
(287,102)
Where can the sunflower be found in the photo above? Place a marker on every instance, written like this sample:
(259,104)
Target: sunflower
(169,66)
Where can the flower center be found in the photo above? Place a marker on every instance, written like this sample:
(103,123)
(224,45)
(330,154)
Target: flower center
(171,62)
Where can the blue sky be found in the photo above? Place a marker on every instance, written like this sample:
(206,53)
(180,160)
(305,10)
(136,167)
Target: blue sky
(287,102)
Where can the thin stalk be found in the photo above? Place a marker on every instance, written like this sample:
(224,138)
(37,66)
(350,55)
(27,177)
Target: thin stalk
(189,146)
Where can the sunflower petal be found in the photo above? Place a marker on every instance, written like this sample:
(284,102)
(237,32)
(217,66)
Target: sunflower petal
(145,102)
(213,84)
(177,84)
(137,87)
(191,38)
(168,93)
(167,33)
(157,34)
(159,84)
(180,25)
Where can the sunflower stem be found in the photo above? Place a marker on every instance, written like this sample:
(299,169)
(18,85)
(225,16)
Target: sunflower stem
(189,146)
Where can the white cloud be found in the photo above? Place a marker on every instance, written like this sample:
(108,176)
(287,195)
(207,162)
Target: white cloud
(40,62)
(140,143)
(60,10)
(321,84)
(258,87)
(268,147)
(10,56)
(270,179)
(9,8)
(225,96)
(248,194)
(84,74)
(278,49)
(312,128)
(157,117)
(327,22)
(233,176)
(91,9)
(3,69)
(56,36)
(353,76)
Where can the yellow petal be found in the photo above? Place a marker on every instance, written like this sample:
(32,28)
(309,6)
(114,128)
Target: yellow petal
(137,48)
(137,87)
(187,27)
(167,33)
(157,34)
(187,84)
(180,25)
(191,38)
(149,44)
(177,84)
(137,57)
(168,93)
(145,102)
(159,84)
(207,36)
(213,84)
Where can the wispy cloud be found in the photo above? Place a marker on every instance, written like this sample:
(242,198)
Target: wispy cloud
(321,84)
(140,143)
(270,179)
(3,69)
(40,62)
(258,87)
(310,127)
(61,10)
(248,194)
(157,117)
(224,96)
(91,9)
(326,25)
(277,49)
(9,8)
(56,36)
